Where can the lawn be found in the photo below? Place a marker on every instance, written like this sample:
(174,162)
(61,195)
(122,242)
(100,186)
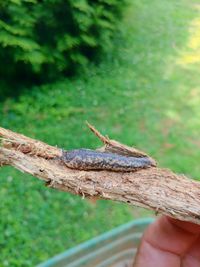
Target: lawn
(145,93)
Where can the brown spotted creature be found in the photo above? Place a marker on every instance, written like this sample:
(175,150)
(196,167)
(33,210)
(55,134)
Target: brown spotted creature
(87,159)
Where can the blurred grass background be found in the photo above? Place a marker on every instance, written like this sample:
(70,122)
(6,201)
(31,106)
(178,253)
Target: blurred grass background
(145,92)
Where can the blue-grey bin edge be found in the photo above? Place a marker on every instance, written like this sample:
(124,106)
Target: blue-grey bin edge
(52,261)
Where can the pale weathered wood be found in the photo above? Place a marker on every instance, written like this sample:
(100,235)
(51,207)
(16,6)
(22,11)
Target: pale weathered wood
(27,145)
(154,188)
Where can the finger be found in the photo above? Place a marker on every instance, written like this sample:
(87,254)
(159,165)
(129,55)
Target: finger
(172,235)
(192,258)
(186,226)
(150,256)
(165,241)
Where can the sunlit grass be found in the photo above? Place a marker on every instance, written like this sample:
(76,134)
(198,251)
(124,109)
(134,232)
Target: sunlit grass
(191,55)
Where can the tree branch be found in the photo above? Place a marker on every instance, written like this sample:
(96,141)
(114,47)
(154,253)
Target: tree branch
(153,188)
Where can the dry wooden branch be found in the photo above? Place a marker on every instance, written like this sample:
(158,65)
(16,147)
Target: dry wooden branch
(153,188)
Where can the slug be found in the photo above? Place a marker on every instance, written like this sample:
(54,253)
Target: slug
(87,159)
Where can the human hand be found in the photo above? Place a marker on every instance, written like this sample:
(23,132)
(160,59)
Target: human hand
(169,242)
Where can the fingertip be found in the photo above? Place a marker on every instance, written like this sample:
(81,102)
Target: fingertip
(171,235)
(184,225)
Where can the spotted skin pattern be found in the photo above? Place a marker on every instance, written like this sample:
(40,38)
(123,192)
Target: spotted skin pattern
(87,159)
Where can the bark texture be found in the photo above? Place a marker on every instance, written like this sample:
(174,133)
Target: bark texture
(153,188)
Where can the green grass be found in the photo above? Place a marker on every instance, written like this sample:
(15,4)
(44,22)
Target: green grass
(145,93)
